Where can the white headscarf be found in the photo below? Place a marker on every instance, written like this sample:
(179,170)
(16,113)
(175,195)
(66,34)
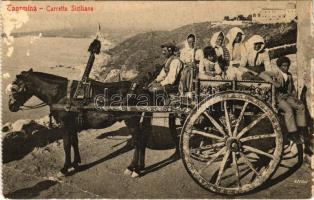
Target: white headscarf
(187,53)
(251,52)
(253,40)
(231,36)
(186,44)
(214,38)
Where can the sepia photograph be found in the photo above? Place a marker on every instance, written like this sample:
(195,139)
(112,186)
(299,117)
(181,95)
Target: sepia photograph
(157,99)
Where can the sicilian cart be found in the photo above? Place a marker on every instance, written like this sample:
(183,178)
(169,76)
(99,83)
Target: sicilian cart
(231,140)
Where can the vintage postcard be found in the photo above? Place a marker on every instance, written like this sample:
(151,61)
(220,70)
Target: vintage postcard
(157,99)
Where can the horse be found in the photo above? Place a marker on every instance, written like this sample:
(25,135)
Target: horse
(52,90)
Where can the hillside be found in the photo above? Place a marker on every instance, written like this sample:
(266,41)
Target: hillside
(142,51)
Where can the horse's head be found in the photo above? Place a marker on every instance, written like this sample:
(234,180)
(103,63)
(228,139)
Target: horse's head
(20,91)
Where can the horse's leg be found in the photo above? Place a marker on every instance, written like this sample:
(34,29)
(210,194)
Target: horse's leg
(173,132)
(133,127)
(144,136)
(77,156)
(67,150)
(135,158)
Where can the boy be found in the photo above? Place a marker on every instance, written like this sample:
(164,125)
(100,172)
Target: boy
(288,102)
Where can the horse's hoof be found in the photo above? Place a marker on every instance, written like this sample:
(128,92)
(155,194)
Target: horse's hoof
(59,176)
(76,165)
(64,171)
(78,160)
(176,155)
(128,172)
(135,174)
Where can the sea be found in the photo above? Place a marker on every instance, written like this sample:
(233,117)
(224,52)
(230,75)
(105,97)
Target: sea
(56,55)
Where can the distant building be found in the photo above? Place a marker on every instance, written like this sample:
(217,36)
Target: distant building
(274,15)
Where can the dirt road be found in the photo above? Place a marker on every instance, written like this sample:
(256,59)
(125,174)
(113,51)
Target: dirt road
(104,159)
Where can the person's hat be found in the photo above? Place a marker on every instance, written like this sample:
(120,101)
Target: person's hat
(169,45)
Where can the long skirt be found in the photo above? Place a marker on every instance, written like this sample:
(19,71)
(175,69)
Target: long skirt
(233,73)
(186,80)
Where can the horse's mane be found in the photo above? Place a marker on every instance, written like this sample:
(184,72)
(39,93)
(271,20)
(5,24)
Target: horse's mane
(59,83)
(51,77)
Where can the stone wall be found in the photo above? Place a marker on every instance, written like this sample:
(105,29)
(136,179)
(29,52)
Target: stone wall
(305,52)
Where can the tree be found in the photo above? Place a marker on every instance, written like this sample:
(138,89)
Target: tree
(249,18)
(241,17)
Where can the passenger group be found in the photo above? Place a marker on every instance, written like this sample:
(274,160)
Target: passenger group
(230,58)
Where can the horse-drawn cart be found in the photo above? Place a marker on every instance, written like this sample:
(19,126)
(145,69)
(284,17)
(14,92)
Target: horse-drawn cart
(231,141)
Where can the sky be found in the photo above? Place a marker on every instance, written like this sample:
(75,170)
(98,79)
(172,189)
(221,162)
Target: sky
(149,15)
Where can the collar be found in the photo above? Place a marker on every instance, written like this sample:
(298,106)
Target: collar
(189,48)
(210,62)
(170,58)
(285,75)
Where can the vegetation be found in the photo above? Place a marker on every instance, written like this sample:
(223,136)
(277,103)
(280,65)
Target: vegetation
(142,51)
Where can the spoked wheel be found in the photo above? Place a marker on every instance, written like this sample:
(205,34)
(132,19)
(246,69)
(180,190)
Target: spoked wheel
(231,143)
(176,122)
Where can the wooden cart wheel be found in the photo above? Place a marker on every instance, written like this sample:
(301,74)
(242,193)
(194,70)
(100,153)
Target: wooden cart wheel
(231,143)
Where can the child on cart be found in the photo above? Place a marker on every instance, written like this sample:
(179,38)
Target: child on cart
(209,68)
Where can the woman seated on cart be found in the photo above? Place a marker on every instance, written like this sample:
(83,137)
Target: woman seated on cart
(251,60)
(255,60)
(190,55)
(217,41)
(236,49)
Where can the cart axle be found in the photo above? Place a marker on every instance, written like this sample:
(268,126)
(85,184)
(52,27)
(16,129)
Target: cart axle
(233,144)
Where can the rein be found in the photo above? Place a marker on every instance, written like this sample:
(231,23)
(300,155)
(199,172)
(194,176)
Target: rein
(24,107)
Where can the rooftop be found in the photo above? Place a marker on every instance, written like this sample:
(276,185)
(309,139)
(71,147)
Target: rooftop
(272,9)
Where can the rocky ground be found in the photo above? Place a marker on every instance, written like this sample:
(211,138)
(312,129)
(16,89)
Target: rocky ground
(105,154)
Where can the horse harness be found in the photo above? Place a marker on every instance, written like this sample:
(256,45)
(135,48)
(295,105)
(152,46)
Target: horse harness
(76,102)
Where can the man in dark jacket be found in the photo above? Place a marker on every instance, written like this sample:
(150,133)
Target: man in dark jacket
(168,75)
(288,101)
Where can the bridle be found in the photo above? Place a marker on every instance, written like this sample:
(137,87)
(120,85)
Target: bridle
(16,89)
